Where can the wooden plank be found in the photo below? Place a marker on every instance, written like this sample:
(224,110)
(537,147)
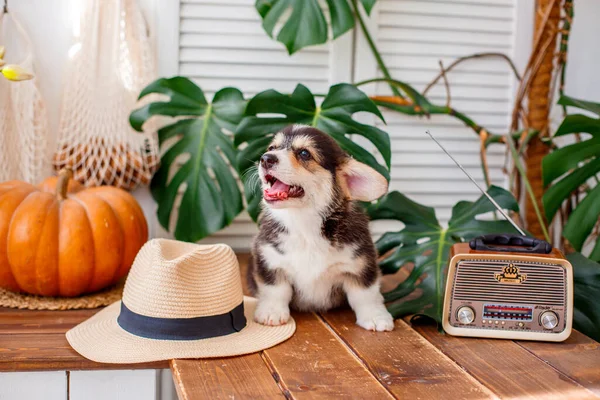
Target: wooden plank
(245,377)
(316,364)
(407,364)
(13,321)
(35,341)
(33,385)
(49,352)
(117,385)
(578,357)
(504,367)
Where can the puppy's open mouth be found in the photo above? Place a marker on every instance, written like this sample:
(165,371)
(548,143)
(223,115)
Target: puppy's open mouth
(279,190)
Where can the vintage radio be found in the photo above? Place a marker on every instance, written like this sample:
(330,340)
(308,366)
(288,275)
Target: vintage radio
(508,287)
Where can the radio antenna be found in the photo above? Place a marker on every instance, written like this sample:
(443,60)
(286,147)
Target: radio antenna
(479,187)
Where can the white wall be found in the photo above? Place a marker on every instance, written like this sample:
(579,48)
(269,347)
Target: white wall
(583,79)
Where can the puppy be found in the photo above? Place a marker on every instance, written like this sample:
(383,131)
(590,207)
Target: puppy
(314,250)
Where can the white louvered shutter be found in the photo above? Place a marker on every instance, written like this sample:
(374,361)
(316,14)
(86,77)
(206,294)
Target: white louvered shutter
(222,43)
(413,35)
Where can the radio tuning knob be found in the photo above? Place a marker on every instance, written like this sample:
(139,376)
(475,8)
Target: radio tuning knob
(549,319)
(465,315)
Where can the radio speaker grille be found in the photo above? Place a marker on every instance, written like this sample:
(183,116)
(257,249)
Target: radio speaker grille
(544,283)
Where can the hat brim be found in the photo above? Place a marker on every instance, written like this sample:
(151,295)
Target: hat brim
(102,339)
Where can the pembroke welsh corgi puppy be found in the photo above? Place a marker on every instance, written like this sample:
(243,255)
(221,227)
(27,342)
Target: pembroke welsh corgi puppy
(314,249)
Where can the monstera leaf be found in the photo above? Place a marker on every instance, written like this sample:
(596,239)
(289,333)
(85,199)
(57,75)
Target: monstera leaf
(570,167)
(211,197)
(306,24)
(334,117)
(586,279)
(426,244)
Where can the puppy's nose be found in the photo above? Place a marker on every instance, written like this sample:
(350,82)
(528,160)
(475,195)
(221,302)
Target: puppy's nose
(268,160)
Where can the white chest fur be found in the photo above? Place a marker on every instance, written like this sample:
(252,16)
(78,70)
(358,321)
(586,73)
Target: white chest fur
(311,264)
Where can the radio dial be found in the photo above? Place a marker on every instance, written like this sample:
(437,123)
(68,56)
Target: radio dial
(549,319)
(465,315)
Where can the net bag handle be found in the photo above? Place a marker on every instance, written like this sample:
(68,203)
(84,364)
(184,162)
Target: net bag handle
(22,32)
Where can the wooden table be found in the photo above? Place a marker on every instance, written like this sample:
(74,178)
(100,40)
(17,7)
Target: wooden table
(330,357)
(36,362)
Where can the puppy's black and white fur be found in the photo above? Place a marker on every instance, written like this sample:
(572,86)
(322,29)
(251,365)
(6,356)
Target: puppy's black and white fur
(314,250)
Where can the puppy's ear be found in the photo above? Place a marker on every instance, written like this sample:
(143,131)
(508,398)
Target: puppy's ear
(362,182)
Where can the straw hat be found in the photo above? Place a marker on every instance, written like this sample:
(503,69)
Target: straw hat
(181,300)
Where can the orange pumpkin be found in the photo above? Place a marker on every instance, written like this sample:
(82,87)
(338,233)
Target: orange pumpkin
(60,239)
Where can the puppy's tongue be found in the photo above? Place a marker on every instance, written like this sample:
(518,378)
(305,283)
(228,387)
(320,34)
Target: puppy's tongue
(279,191)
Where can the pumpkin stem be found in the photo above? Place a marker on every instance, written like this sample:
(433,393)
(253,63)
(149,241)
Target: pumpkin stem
(64,176)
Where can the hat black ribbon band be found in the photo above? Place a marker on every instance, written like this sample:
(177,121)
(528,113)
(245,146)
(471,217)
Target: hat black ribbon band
(182,328)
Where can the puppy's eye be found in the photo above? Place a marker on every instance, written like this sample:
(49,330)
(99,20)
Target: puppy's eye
(304,154)
(271,148)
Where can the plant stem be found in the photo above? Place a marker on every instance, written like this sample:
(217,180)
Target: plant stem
(531,133)
(472,56)
(62,184)
(523,174)
(539,101)
(537,52)
(446,84)
(564,47)
(483,157)
(415,109)
(376,54)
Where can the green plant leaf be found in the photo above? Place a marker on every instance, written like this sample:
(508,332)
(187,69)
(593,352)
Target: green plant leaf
(186,99)
(306,25)
(586,280)
(211,196)
(595,254)
(368,5)
(585,105)
(334,117)
(563,160)
(577,123)
(426,244)
(583,219)
(558,192)
(570,167)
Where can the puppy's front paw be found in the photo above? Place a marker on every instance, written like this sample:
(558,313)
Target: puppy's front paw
(270,313)
(376,321)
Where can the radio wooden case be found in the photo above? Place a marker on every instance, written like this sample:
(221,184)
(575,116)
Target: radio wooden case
(508,295)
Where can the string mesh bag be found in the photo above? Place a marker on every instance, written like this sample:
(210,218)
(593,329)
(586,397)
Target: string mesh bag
(23,116)
(110,62)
